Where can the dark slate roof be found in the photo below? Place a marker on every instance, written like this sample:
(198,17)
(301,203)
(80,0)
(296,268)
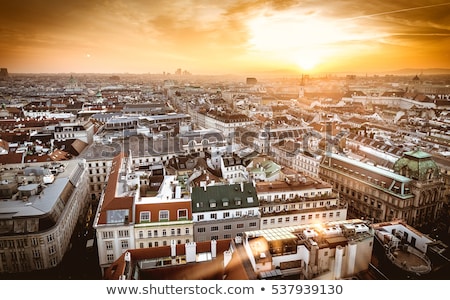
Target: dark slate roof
(224,197)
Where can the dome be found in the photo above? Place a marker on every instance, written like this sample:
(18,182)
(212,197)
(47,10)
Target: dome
(417,165)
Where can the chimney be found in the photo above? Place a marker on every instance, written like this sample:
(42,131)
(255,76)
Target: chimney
(352,248)
(213,248)
(338,262)
(128,256)
(173,248)
(191,251)
(227,255)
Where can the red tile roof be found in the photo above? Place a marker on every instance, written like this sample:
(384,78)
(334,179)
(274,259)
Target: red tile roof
(208,270)
(111,201)
(173,207)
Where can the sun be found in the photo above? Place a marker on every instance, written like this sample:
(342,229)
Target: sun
(307,62)
(306,41)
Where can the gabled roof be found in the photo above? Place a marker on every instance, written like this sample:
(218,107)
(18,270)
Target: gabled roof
(207,177)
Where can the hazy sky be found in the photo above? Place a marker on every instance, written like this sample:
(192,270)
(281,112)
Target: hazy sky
(218,37)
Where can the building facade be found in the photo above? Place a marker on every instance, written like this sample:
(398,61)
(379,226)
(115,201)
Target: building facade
(114,219)
(163,212)
(298,201)
(224,211)
(413,191)
(41,206)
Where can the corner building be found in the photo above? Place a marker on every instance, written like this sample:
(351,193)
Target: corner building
(413,191)
(40,207)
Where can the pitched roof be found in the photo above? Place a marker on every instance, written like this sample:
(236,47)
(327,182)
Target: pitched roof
(111,200)
(78,146)
(224,197)
(11,158)
(209,270)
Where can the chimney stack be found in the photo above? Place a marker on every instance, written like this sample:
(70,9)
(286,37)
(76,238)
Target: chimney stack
(213,248)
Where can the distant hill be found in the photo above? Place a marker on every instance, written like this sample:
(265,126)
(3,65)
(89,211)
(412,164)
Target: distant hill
(412,71)
(400,72)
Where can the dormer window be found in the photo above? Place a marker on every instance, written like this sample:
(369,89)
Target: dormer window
(145,216)
(163,215)
(182,214)
(225,202)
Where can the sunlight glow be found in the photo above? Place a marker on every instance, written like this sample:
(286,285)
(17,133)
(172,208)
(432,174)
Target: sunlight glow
(306,41)
(308,60)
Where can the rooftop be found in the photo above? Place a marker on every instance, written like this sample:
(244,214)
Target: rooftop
(223,196)
(158,263)
(298,185)
(33,190)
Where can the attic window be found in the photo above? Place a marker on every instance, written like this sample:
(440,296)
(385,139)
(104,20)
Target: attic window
(225,202)
(237,201)
(249,199)
(212,203)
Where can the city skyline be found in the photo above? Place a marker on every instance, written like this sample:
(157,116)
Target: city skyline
(206,37)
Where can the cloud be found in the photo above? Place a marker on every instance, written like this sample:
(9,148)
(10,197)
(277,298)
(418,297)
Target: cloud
(206,35)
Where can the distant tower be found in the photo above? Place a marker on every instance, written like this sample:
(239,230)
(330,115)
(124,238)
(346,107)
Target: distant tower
(266,135)
(72,82)
(415,83)
(301,89)
(3,73)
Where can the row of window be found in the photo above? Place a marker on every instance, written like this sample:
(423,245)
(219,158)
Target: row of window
(234,175)
(215,237)
(21,243)
(110,234)
(225,215)
(97,164)
(163,215)
(97,171)
(156,243)
(97,179)
(295,206)
(146,161)
(292,195)
(287,219)
(22,260)
(64,135)
(150,233)
(124,245)
(225,227)
(155,233)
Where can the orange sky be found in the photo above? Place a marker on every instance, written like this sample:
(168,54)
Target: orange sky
(218,37)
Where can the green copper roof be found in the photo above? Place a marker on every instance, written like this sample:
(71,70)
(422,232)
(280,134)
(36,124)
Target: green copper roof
(269,167)
(417,165)
(418,154)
